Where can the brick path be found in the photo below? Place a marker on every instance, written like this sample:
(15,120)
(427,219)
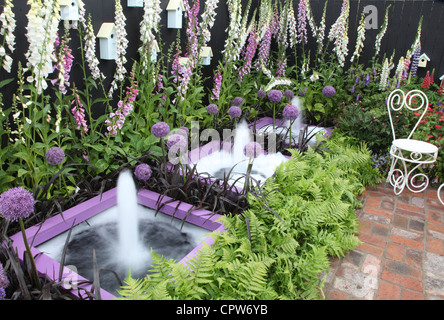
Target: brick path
(402,254)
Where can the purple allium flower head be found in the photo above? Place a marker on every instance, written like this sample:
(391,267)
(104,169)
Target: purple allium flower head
(55,155)
(290,112)
(212,109)
(143,172)
(288,94)
(4,282)
(328,91)
(261,94)
(253,149)
(16,203)
(176,138)
(184,131)
(275,95)
(235,112)
(238,102)
(160,129)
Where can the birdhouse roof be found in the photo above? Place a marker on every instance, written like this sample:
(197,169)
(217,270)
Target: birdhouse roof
(424,56)
(183,61)
(105,30)
(174,4)
(155,45)
(68,2)
(206,52)
(442,77)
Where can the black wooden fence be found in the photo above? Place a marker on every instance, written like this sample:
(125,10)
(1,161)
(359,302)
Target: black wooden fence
(404,16)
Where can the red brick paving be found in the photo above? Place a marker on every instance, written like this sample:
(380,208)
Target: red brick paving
(402,252)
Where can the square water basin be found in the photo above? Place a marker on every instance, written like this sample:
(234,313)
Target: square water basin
(47,239)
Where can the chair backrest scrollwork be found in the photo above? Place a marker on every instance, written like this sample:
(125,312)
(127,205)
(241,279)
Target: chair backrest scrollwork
(414,100)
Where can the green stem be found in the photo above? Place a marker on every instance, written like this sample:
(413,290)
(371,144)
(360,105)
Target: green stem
(31,258)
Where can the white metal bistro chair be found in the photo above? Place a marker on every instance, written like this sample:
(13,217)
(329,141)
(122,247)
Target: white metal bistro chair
(408,154)
(439,194)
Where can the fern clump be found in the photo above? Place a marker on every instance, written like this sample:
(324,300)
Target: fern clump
(279,246)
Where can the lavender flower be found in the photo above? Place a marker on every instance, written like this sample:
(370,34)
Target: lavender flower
(353,89)
(290,112)
(16,203)
(212,109)
(143,172)
(367,80)
(4,282)
(235,112)
(275,96)
(253,149)
(2,294)
(238,102)
(288,94)
(329,91)
(55,155)
(261,94)
(160,129)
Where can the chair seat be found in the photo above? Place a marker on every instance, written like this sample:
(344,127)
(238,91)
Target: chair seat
(412,145)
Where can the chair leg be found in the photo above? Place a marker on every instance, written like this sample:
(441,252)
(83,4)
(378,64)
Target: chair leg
(439,194)
(398,182)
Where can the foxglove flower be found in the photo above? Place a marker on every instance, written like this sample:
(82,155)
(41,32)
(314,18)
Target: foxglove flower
(121,46)
(79,114)
(360,39)
(7,19)
(382,32)
(148,26)
(208,18)
(253,149)
(43,20)
(249,54)
(302,22)
(16,203)
(160,129)
(90,51)
(217,85)
(143,172)
(55,155)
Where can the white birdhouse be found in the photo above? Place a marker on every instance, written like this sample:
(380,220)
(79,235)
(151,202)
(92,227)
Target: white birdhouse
(423,59)
(108,43)
(183,62)
(69,10)
(135,3)
(206,53)
(154,51)
(175,9)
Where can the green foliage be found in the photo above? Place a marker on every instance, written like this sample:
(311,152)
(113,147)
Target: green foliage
(279,246)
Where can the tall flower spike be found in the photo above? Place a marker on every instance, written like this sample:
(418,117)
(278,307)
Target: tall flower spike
(43,20)
(382,32)
(122,44)
(360,39)
(7,19)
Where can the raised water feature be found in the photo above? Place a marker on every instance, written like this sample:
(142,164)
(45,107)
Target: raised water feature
(122,227)
(230,159)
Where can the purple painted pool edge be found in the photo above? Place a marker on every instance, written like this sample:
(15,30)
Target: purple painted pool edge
(53,226)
